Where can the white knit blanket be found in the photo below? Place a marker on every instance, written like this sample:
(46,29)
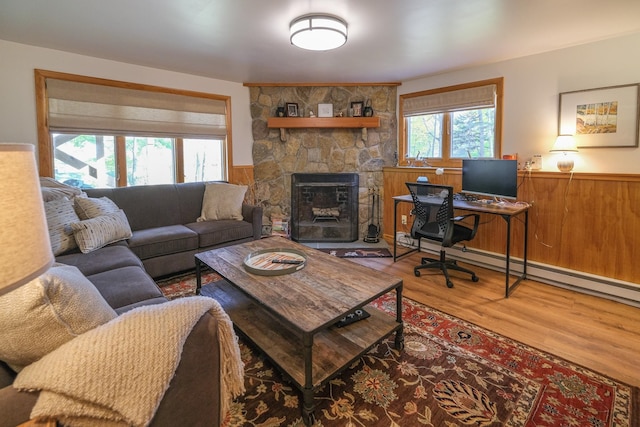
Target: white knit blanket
(117,374)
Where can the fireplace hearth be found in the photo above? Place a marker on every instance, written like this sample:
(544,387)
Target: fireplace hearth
(324,207)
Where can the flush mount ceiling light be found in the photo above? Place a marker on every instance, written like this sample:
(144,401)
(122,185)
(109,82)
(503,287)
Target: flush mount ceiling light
(318,32)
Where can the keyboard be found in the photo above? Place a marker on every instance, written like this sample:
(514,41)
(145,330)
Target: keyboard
(464,197)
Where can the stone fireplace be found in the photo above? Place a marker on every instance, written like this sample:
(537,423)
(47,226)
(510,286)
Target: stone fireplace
(324,207)
(318,150)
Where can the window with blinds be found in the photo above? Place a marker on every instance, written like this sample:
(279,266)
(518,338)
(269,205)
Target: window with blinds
(104,133)
(444,125)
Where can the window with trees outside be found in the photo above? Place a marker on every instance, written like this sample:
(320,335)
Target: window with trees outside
(103,133)
(445,125)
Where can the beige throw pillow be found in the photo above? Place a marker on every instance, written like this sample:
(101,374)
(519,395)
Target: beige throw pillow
(94,233)
(91,207)
(60,214)
(47,312)
(222,201)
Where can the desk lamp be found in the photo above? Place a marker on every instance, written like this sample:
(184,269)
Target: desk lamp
(25,251)
(565,144)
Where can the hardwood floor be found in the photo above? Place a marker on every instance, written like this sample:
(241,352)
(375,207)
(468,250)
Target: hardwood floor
(593,332)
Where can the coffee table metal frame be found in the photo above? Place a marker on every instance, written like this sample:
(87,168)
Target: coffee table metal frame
(279,337)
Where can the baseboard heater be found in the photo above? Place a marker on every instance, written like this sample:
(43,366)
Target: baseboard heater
(605,287)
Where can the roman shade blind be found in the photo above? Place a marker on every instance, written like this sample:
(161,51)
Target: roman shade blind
(455,100)
(76,107)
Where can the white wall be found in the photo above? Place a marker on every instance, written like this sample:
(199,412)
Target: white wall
(531,88)
(17,92)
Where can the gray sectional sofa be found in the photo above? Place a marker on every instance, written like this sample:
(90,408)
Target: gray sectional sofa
(165,237)
(166,234)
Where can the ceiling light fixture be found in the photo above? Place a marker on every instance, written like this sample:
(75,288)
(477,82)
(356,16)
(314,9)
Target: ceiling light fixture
(318,32)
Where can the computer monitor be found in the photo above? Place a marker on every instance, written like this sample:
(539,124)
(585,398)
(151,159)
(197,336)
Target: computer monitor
(490,177)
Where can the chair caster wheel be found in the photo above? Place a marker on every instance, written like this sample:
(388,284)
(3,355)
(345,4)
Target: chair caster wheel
(417,273)
(474,278)
(449,284)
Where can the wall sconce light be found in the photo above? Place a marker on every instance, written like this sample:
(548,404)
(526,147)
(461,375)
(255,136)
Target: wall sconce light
(565,144)
(318,32)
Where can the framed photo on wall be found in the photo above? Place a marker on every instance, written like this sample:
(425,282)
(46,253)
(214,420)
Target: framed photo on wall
(292,109)
(601,118)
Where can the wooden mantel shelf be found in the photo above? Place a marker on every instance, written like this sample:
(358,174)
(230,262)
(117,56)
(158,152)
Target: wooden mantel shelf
(323,122)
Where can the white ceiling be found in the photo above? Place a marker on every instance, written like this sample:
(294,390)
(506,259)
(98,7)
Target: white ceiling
(247,40)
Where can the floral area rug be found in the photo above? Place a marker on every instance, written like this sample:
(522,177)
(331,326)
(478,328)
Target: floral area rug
(450,373)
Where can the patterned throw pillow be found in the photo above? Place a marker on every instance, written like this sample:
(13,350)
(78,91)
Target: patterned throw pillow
(91,207)
(94,233)
(222,201)
(47,312)
(52,189)
(60,214)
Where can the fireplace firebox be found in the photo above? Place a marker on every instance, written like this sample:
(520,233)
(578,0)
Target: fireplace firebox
(324,207)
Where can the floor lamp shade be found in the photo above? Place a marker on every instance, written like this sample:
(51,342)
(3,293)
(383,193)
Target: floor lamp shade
(25,251)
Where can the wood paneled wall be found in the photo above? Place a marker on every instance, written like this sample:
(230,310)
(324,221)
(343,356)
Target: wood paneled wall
(581,221)
(241,175)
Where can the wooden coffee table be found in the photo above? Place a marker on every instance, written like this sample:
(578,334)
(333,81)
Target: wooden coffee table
(291,318)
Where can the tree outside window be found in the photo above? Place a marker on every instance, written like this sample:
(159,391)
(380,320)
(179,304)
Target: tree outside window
(90,161)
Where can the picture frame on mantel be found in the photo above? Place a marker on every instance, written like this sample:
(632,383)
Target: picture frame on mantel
(292,109)
(604,117)
(357,107)
(325,110)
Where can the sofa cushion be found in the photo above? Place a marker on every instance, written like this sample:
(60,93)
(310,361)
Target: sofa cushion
(110,257)
(60,214)
(159,241)
(222,201)
(146,206)
(91,207)
(52,189)
(190,195)
(45,313)
(214,233)
(143,303)
(124,286)
(94,233)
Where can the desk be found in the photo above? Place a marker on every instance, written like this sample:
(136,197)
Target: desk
(506,212)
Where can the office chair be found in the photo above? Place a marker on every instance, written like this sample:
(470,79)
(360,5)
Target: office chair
(434,220)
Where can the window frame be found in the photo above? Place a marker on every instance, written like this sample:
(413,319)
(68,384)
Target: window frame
(446,160)
(45,142)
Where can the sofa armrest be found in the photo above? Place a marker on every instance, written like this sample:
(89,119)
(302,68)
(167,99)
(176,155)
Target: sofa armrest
(253,214)
(193,397)
(15,406)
